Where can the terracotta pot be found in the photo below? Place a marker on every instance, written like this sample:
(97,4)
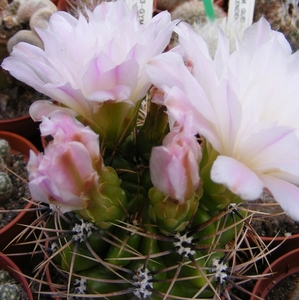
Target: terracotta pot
(222,4)
(50,284)
(15,272)
(23,126)
(62,5)
(18,144)
(282,244)
(281,268)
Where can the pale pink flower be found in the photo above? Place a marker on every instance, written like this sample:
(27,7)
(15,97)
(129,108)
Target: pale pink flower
(245,104)
(63,176)
(65,128)
(86,63)
(174,166)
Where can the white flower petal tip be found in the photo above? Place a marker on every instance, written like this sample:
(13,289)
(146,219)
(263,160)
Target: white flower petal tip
(285,193)
(237,177)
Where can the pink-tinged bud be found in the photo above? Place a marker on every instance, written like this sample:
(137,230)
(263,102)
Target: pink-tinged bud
(174,166)
(65,128)
(62,176)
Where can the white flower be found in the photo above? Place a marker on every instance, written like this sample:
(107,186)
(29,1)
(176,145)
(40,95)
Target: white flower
(87,62)
(245,104)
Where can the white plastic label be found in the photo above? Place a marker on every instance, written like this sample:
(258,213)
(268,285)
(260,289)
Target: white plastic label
(241,12)
(145,9)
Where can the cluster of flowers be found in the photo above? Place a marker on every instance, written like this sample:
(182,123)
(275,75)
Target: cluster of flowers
(243,105)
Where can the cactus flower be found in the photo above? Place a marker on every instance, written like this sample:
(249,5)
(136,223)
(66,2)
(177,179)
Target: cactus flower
(71,173)
(62,176)
(245,104)
(65,128)
(174,166)
(107,68)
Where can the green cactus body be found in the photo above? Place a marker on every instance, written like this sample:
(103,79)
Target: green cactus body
(137,243)
(133,242)
(108,206)
(137,259)
(128,243)
(152,131)
(77,255)
(100,281)
(168,214)
(9,291)
(6,186)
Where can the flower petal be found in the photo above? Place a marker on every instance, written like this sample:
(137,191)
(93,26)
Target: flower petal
(112,84)
(237,177)
(44,108)
(285,193)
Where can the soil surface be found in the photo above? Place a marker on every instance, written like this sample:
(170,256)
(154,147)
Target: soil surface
(17,200)
(16,99)
(270,220)
(286,289)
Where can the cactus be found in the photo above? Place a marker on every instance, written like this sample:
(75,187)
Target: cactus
(161,250)
(29,7)
(9,291)
(169,5)
(283,16)
(8,19)
(193,11)
(6,186)
(40,19)
(134,259)
(36,14)
(4,276)
(27,36)
(4,150)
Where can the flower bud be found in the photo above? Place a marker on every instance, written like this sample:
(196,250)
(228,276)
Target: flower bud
(174,166)
(64,128)
(106,207)
(63,176)
(168,214)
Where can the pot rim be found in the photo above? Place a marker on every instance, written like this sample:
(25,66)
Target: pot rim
(6,121)
(7,264)
(281,268)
